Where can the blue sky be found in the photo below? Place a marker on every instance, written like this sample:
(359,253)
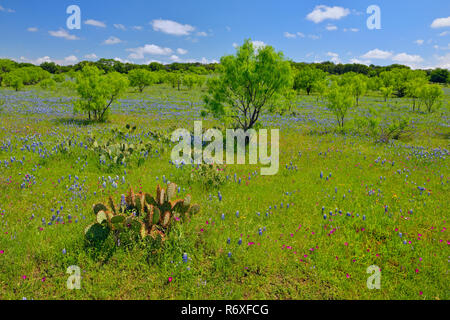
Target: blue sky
(415,33)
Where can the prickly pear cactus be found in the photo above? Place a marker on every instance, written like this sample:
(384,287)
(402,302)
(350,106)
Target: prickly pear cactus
(142,214)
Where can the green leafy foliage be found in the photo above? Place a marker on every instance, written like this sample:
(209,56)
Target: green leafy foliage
(141,78)
(250,79)
(97,91)
(339,101)
(210,176)
(430,95)
(395,130)
(47,84)
(307,77)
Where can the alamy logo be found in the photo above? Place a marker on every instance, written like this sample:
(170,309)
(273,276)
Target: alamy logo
(74,20)
(374,281)
(74,281)
(235,145)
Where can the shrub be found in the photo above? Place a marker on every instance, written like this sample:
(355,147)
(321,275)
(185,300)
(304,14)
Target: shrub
(209,175)
(47,84)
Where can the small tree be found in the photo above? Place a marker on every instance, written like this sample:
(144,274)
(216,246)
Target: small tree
(339,101)
(47,84)
(430,94)
(13,80)
(59,78)
(386,92)
(440,75)
(175,79)
(97,91)
(141,78)
(307,77)
(190,80)
(358,87)
(413,88)
(321,87)
(249,81)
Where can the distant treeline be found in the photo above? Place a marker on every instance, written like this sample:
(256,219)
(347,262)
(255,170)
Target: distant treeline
(109,65)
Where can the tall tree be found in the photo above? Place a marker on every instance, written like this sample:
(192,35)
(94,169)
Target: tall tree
(247,84)
(141,78)
(339,101)
(97,91)
(307,77)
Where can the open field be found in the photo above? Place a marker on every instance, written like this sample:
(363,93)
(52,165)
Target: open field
(340,203)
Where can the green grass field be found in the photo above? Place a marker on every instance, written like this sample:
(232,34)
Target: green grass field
(341,202)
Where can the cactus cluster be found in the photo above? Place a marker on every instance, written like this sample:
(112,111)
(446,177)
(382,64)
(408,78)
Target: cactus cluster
(141,213)
(118,150)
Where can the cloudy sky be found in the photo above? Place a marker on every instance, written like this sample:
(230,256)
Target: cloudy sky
(413,32)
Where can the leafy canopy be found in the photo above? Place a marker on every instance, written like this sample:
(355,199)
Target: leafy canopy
(97,91)
(339,101)
(141,78)
(249,82)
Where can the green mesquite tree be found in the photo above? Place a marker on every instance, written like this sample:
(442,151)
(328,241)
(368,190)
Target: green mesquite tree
(307,77)
(430,94)
(141,78)
(97,91)
(339,101)
(249,81)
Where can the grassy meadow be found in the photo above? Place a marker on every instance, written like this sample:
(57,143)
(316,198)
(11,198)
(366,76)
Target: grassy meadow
(341,202)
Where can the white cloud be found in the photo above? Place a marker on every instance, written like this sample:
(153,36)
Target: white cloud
(235,45)
(334,57)
(351,29)
(91,56)
(355,60)
(38,61)
(419,42)
(181,51)
(174,58)
(95,23)
(442,48)
(441,23)
(202,60)
(71,59)
(137,28)
(32,29)
(172,27)
(293,35)
(120,60)
(313,36)
(112,40)
(6,9)
(407,58)
(322,12)
(120,26)
(258,44)
(150,61)
(289,35)
(443,33)
(61,33)
(150,49)
(444,61)
(331,27)
(202,34)
(66,61)
(377,54)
